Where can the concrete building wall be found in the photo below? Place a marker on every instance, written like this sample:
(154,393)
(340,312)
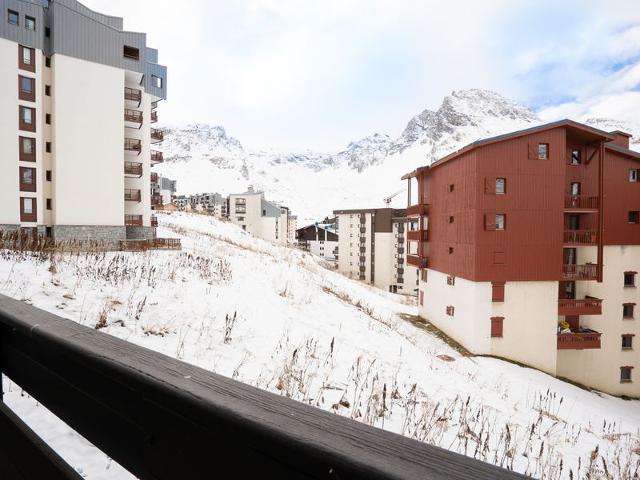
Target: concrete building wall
(385,260)
(323,248)
(88,140)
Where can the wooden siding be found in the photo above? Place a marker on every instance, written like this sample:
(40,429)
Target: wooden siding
(621,196)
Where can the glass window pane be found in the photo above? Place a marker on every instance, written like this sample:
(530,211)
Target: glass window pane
(25,84)
(13,17)
(27,176)
(26,115)
(27,146)
(26,56)
(28,205)
(30,23)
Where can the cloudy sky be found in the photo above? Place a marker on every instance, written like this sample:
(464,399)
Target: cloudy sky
(316,74)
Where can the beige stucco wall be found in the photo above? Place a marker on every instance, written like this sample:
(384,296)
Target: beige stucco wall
(88,138)
(385,260)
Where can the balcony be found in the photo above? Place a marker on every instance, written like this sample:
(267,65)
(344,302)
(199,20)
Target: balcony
(156,156)
(133,94)
(579,306)
(154,177)
(418,235)
(580,237)
(133,168)
(416,261)
(132,116)
(133,220)
(154,117)
(578,341)
(581,203)
(156,199)
(133,145)
(580,272)
(417,210)
(132,195)
(154,221)
(157,135)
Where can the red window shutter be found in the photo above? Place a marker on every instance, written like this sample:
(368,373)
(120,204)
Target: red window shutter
(533,151)
(497,291)
(490,185)
(496,326)
(490,221)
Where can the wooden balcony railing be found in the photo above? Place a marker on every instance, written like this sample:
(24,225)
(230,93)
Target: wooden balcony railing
(416,261)
(417,210)
(157,135)
(133,145)
(156,199)
(578,341)
(132,94)
(132,195)
(579,306)
(580,272)
(581,202)
(418,235)
(133,220)
(165,243)
(133,116)
(156,156)
(154,116)
(154,177)
(154,221)
(133,168)
(580,237)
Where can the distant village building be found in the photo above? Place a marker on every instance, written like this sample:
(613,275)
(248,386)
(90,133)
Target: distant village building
(162,189)
(372,245)
(260,217)
(211,203)
(320,239)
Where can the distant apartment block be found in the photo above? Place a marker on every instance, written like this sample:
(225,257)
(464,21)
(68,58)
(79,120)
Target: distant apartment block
(372,246)
(529,249)
(162,190)
(79,97)
(211,203)
(320,239)
(260,217)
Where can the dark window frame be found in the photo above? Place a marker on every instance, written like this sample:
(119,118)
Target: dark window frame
(27,186)
(13,14)
(546,154)
(22,65)
(628,310)
(633,217)
(132,53)
(625,374)
(27,19)
(576,156)
(627,341)
(22,124)
(29,217)
(632,277)
(23,155)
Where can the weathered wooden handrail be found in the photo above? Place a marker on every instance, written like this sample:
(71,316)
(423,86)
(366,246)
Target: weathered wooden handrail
(163,419)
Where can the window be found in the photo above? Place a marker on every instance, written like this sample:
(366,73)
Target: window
(156,81)
(48,147)
(625,374)
(48,175)
(451,219)
(47,119)
(423,274)
(26,84)
(451,280)
(28,212)
(633,174)
(450,250)
(450,310)
(47,62)
(627,341)
(29,22)
(131,52)
(27,149)
(630,279)
(13,17)
(27,179)
(500,221)
(497,291)
(27,56)
(27,120)
(421,297)
(543,151)
(47,90)
(48,204)
(496,327)
(575,188)
(627,311)
(633,216)
(501,186)
(47,32)
(576,156)
(452,187)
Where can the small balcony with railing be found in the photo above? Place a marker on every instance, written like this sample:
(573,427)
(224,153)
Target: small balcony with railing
(132,145)
(133,169)
(581,203)
(156,157)
(132,195)
(154,116)
(154,221)
(133,220)
(579,340)
(157,135)
(580,306)
(133,118)
(580,237)
(156,200)
(133,95)
(417,261)
(154,177)
(587,271)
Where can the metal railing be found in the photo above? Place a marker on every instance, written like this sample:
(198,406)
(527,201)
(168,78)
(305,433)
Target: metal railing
(581,202)
(133,168)
(581,237)
(132,145)
(157,135)
(132,94)
(134,116)
(580,272)
(156,156)
(133,220)
(579,306)
(578,341)
(132,195)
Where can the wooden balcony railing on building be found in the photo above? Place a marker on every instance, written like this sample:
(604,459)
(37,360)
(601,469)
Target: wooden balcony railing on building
(161,418)
(154,177)
(416,261)
(157,135)
(156,156)
(133,220)
(418,235)
(417,210)
(133,168)
(154,116)
(133,116)
(133,145)
(579,306)
(578,341)
(156,199)
(132,94)
(580,237)
(580,272)
(165,243)
(581,202)
(154,221)
(132,195)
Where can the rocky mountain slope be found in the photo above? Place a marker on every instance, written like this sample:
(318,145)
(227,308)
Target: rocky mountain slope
(204,158)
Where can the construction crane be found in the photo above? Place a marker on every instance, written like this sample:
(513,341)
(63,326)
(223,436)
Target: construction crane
(387,200)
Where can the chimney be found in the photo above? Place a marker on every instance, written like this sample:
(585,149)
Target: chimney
(621,138)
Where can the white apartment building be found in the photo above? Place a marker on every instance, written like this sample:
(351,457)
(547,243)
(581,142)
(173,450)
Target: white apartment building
(372,245)
(320,239)
(78,96)
(211,203)
(260,217)
(162,189)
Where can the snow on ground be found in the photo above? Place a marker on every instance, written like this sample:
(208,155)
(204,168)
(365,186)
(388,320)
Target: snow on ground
(275,318)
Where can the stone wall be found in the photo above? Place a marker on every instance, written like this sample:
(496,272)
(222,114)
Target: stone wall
(107,236)
(140,233)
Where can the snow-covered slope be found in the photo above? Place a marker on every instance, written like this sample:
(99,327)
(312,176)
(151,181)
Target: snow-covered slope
(320,338)
(204,158)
